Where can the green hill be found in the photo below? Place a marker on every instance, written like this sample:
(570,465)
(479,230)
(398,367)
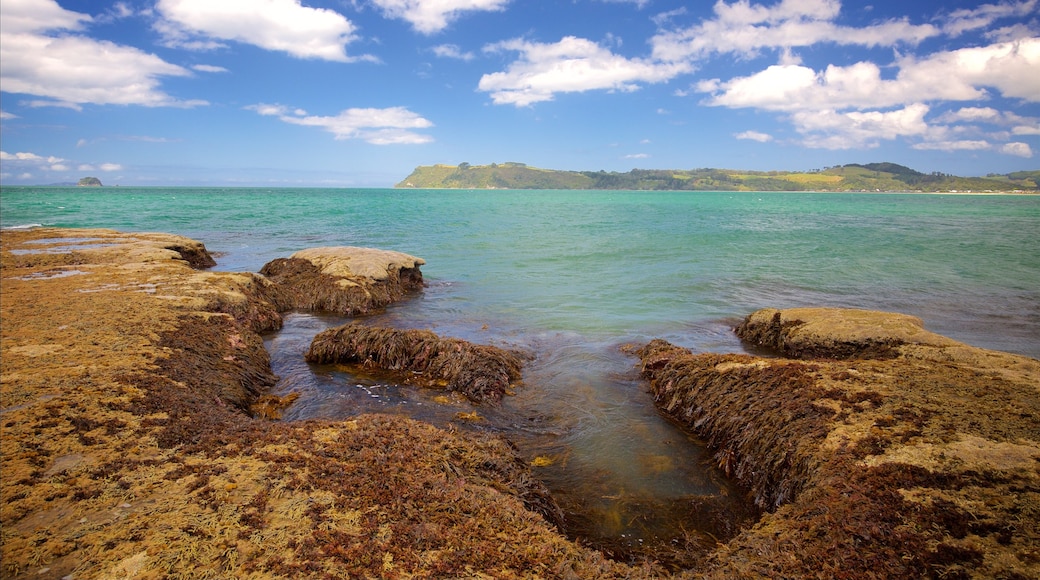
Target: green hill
(851,177)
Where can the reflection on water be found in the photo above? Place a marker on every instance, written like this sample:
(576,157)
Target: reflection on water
(629,482)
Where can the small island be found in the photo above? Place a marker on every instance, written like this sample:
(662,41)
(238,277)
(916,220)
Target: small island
(89,182)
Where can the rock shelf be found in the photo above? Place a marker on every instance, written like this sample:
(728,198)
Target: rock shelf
(128,449)
(882,451)
(132,444)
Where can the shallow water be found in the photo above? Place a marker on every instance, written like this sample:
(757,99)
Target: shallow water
(582,417)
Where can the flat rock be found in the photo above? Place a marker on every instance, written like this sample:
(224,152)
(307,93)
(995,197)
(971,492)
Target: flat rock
(343,279)
(836,332)
(353,262)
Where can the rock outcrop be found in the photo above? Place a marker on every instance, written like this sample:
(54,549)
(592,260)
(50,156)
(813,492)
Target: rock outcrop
(345,280)
(882,451)
(480,372)
(128,449)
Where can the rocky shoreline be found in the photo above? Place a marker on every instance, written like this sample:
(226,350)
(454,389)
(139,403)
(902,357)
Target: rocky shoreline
(132,446)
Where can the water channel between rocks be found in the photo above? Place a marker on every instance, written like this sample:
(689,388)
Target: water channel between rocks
(630,482)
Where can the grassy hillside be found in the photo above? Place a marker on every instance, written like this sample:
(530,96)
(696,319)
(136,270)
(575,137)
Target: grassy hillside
(852,177)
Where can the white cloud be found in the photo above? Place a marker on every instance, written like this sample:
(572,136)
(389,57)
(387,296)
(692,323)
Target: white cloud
(452,51)
(38,16)
(963,145)
(570,65)
(745,29)
(5,115)
(26,160)
(829,129)
(857,106)
(987,114)
(663,18)
(71,70)
(209,68)
(389,126)
(754,136)
(1026,130)
(961,21)
(32,157)
(1017,149)
(278,25)
(638,156)
(431,16)
(960,75)
(640,4)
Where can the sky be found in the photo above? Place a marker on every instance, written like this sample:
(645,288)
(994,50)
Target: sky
(357,93)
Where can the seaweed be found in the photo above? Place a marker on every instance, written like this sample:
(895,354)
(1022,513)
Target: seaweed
(480,372)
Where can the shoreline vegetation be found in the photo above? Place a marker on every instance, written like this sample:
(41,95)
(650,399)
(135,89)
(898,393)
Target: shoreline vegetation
(871,177)
(138,442)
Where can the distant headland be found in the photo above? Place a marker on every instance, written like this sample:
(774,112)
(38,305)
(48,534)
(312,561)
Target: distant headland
(871,177)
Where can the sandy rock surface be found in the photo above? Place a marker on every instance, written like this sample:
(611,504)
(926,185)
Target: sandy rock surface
(128,450)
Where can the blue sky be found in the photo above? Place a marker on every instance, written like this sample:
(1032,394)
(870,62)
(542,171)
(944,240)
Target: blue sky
(359,92)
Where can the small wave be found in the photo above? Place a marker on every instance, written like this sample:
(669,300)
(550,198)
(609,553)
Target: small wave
(23,227)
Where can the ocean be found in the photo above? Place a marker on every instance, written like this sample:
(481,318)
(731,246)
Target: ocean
(571,276)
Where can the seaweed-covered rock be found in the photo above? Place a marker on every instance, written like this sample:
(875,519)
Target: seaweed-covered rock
(480,372)
(346,280)
(128,448)
(897,453)
(835,332)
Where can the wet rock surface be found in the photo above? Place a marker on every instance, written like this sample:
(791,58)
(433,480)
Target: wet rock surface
(480,372)
(128,449)
(919,459)
(344,279)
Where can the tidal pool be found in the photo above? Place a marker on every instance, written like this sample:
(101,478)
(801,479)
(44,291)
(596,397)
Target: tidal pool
(629,481)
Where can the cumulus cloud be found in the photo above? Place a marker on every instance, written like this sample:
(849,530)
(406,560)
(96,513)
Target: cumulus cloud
(43,56)
(745,29)
(830,129)
(570,65)
(278,25)
(858,106)
(959,75)
(429,17)
(388,126)
(1017,149)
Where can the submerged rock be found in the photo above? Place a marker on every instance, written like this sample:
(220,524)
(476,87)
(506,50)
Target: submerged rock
(911,456)
(482,373)
(346,280)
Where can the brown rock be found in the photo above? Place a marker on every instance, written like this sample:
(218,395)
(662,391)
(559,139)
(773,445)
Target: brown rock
(345,280)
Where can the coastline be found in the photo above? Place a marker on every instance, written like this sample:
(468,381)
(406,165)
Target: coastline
(128,447)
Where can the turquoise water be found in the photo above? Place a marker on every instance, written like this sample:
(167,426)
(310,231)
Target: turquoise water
(610,265)
(571,276)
